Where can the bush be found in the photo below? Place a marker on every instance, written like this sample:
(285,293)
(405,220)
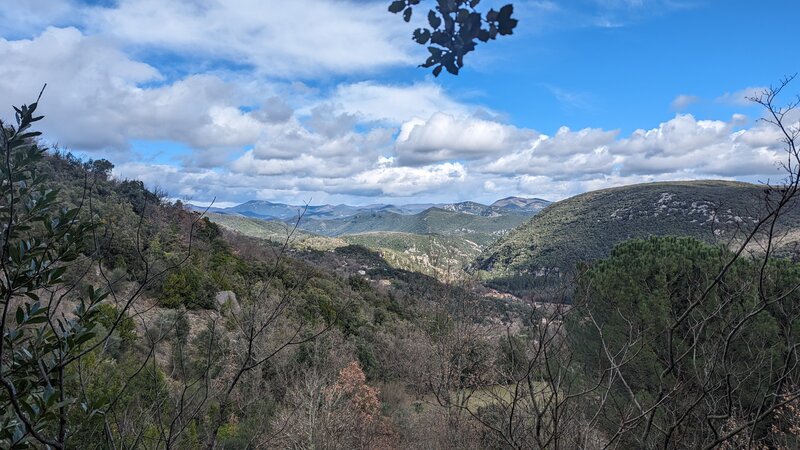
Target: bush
(188,287)
(126,329)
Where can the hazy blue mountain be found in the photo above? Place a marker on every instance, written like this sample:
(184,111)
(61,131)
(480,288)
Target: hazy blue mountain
(262,209)
(431,221)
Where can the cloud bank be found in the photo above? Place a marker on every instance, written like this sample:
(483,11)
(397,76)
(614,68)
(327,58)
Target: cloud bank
(269,105)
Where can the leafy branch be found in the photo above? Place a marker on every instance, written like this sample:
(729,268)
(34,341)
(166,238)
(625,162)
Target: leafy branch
(455,27)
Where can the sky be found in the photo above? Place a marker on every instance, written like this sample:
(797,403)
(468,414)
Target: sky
(322,101)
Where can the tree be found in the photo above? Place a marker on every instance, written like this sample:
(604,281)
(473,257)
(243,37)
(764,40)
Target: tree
(53,325)
(101,167)
(681,376)
(455,28)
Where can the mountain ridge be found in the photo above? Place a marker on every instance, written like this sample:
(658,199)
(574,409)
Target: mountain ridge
(586,227)
(264,209)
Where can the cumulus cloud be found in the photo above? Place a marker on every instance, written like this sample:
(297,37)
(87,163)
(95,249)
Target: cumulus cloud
(482,158)
(567,153)
(95,100)
(702,146)
(394,104)
(334,142)
(445,137)
(287,180)
(327,145)
(326,121)
(275,110)
(299,38)
(675,137)
(406,181)
(101,99)
(249,133)
(679,148)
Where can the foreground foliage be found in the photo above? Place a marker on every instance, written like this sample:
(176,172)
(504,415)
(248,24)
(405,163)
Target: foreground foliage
(683,354)
(130,322)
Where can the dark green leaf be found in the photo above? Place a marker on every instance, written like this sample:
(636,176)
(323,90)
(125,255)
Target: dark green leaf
(434,19)
(20,315)
(422,35)
(397,6)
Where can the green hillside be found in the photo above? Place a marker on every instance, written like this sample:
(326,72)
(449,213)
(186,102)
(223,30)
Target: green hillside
(432,254)
(481,230)
(275,231)
(588,226)
(437,255)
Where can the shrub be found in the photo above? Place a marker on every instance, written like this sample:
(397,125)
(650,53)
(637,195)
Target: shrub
(188,287)
(126,328)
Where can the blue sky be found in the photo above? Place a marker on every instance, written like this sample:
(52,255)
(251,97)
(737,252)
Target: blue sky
(321,100)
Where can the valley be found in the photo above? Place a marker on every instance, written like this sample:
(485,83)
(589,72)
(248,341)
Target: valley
(583,236)
(514,242)
(425,309)
(438,240)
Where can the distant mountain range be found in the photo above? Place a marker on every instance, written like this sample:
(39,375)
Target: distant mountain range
(432,254)
(431,238)
(261,209)
(513,242)
(479,228)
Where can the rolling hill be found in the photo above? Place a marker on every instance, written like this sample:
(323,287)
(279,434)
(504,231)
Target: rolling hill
(520,204)
(510,205)
(269,210)
(441,256)
(435,241)
(430,254)
(262,209)
(276,231)
(588,226)
(479,229)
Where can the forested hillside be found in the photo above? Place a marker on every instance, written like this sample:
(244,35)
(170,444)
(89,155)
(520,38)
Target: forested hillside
(182,335)
(587,227)
(434,220)
(435,241)
(132,321)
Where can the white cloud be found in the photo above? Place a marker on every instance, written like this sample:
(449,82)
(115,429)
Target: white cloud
(567,154)
(94,98)
(676,136)
(289,180)
(444,137)
(697,146)
(741,97)
(286,39)
(683,101)
(394,104)
(568,142)
(682,147)
(251,135)
(327,147)
(406,181)
(477,159)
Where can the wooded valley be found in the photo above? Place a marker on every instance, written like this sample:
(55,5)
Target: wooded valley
(133,321)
